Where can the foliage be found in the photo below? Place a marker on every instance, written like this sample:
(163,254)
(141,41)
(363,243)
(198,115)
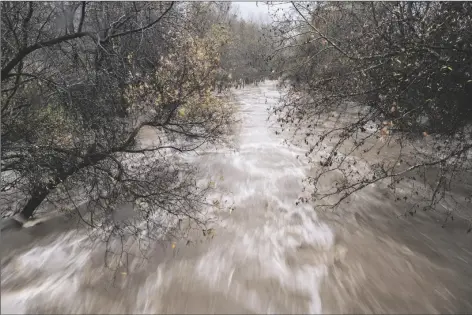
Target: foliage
(246,57)
(403,67)
(243,59)
(99,102)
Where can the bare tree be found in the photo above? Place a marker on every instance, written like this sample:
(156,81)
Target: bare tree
(83,83)
(382,91)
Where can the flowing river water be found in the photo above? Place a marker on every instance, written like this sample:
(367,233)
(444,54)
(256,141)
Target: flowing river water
(267,254)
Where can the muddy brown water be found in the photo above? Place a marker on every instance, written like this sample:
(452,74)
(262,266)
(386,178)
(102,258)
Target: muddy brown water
(267,255)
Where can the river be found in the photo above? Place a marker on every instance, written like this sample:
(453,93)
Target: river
(267,254)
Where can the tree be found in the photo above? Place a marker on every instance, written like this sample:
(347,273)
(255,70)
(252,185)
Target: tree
(403,68)
(246,57)
(83,83)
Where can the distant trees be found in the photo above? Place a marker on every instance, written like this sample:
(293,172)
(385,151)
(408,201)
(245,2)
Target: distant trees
(408,68)
(246,57)
(82,84)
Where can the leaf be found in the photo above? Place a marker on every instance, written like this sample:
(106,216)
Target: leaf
(181,112)
(210,232)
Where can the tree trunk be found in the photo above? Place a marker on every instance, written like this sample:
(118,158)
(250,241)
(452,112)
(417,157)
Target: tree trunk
(36,199)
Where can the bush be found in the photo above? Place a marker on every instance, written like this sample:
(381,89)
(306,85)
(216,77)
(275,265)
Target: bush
(408,65)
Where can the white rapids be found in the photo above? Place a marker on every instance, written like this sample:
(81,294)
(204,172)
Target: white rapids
(268,255)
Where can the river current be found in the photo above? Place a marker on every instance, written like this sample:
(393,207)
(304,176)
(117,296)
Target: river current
(266,254)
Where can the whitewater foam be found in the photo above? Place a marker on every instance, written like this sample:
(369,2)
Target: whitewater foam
(248,262)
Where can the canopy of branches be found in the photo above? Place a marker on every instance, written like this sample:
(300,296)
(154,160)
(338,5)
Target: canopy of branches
(82,82)
(408,68)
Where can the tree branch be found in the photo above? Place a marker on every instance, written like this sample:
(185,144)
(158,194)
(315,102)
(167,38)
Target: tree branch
(82,17)
(142,28)
(321,34)
(28,50)
(24,26)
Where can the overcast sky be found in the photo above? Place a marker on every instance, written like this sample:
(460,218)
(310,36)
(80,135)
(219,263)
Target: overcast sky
(253,9)
(259,11)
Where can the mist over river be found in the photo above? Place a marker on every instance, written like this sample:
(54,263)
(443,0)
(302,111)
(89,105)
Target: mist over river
(267,255)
